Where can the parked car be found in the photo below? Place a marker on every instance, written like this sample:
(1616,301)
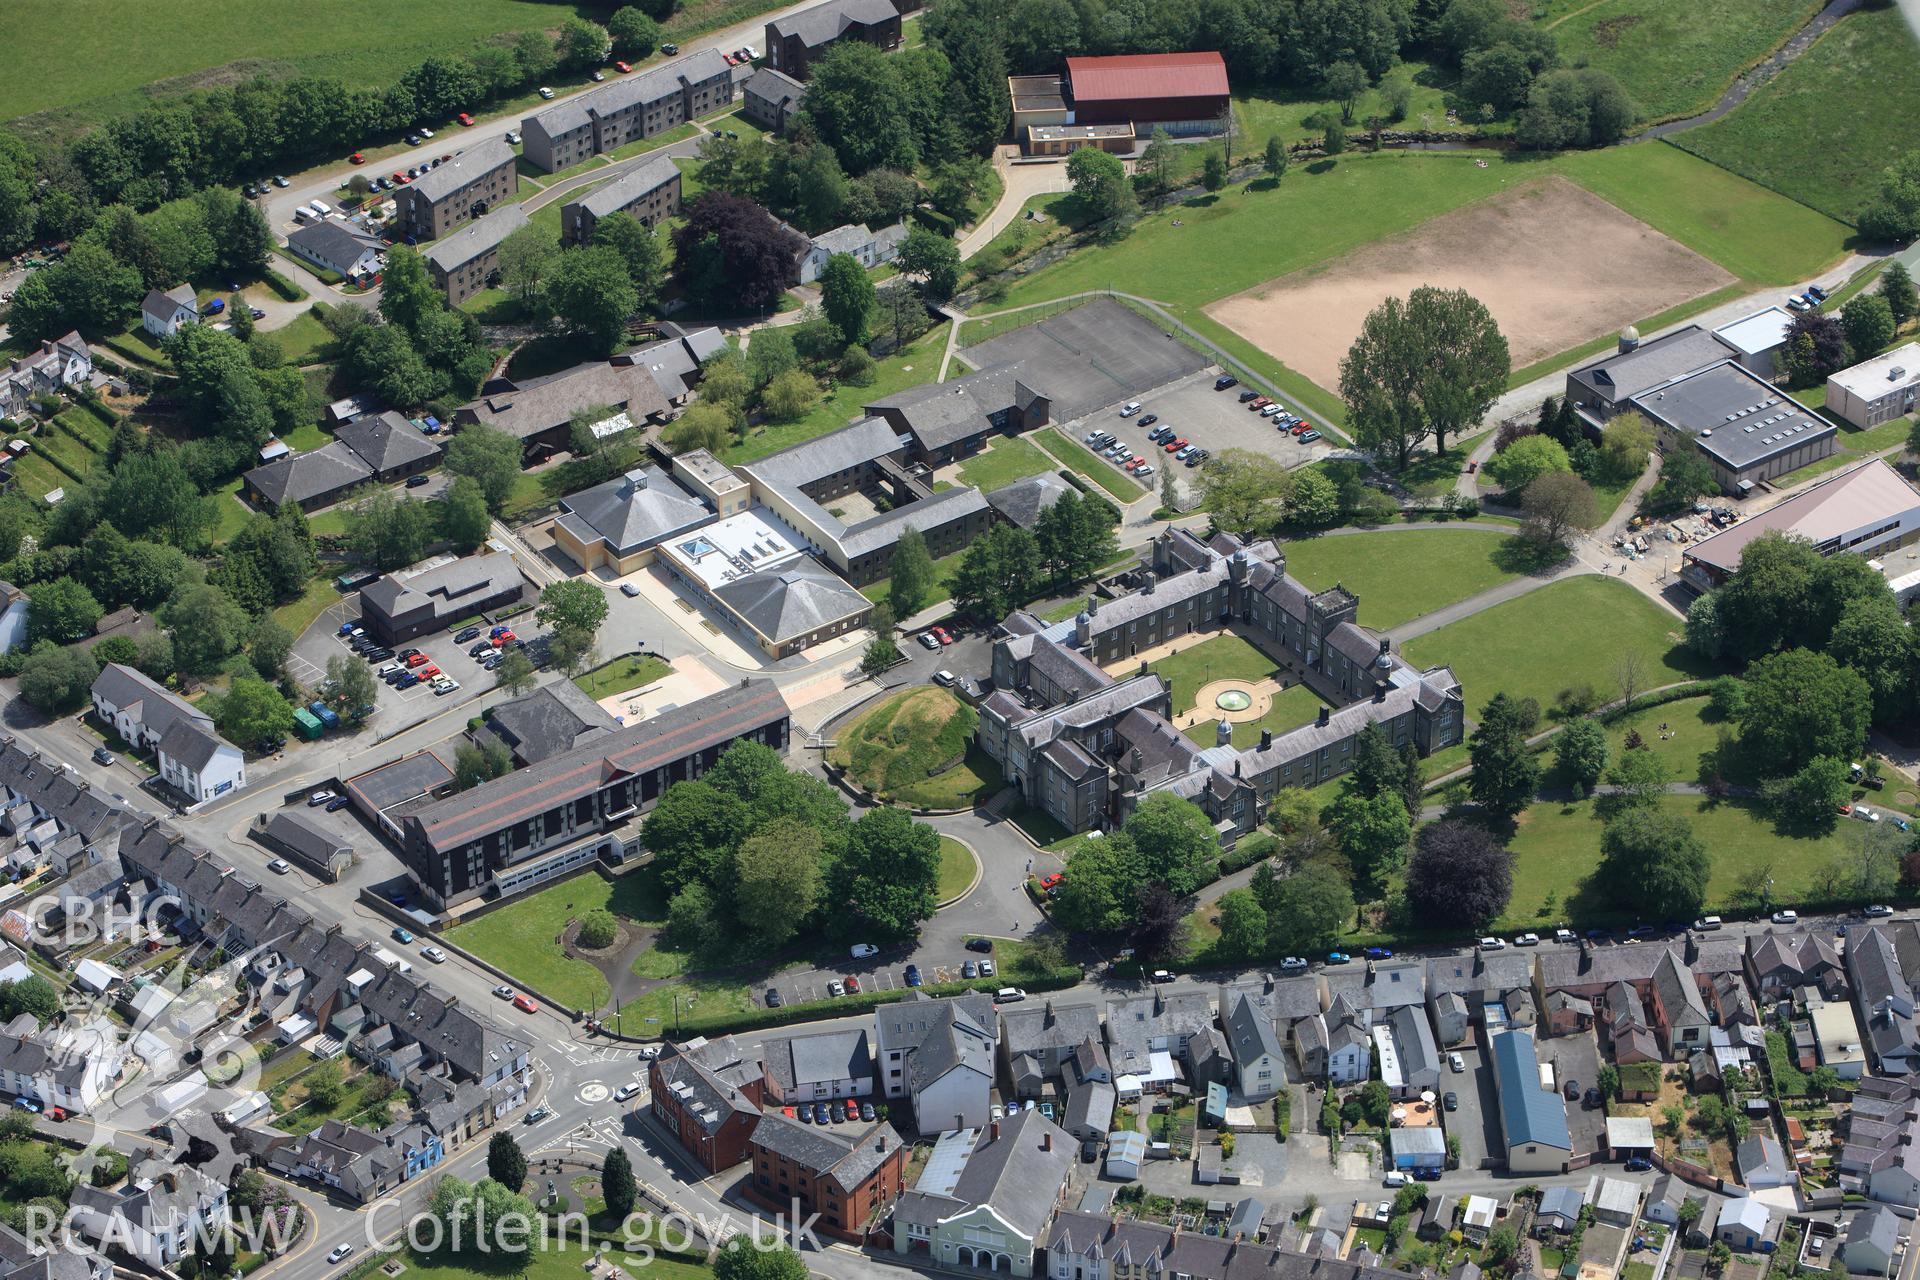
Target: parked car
(1130,408)
(1786,917)
(1009,995)
(1527,940)
(1379,953)
(1338,957)
(402,935)
(669,48)
(774,998)
(1638,1164)
(524,1005)
(464,118)
(434,954)
(1247,395)
(861,950)
(1450,1100)
(1877,912)
(1308,437)
(319,797)
(1224,381)
(279,866)
(623,67)
(546,93)
(538,1114)
(503,992)
(513,137)
(1149,419)
(820,1113)
(979,944)
(1293,964)
(628,590)
(336,804)
(1457,1063)
(836,988)
(102,756)
(969,970)
(912,975)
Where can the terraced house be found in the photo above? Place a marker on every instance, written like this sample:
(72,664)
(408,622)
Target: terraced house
(467,186)
(631,108)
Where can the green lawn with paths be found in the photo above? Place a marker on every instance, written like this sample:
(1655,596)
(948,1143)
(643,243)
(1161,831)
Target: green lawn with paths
(552,1263)
(1565,634)
(1401,574)
(915,364)
(1824,129)
(522,938)
(1223,657)
(634,671)
(1008,459)
(916,748)
(1676,57)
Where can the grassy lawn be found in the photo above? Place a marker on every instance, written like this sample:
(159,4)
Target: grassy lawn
(1675,57)
(1823,129)
(234,514)
(1401,574)
(1076,459)
(1557,849)
(302,341)
(918,362)
(634,671)
(553,1263)
(1295,706)
(1312,217)
(1568,633)
(1225,657)
(298,615)
(915,748)
(523,938)
(957,869)
(1008,459)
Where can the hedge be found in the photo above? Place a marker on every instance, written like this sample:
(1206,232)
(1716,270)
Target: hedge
(721,1024)
(287,289)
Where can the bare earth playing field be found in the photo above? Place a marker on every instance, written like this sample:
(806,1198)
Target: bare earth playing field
(1556,265)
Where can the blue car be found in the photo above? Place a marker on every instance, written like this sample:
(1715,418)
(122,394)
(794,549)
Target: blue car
(803,1113)
(821,1115)
(1338,957)
(913,975)
(1379,953)
(401,935)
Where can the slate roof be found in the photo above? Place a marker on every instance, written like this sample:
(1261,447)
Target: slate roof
(697,726)
(1250,1031)
(476,238)
(541,404)
(1528,1113)
(145,701)
(302,477)
(1033,1027)
(191,746)
(825,23)
(1023,501)
(293,829)
(1134,1021)
(555,717)
(823,1057)
(637,185)
(1090,1106)
(1013,1172)
(1679,994)
(793,600)
(386,442)
(466,167)
(335,241)
(447,589)
(161,304)
(846,1161)
(773,85)
(632,512)
(1147,1248)
(1624,375)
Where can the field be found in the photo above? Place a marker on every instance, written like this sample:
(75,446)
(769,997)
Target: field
(546,1263)
(1321,211)
(1401,575)
(1554,263)
(1566,634)
(1823,129)
(1676,57)
(915,748)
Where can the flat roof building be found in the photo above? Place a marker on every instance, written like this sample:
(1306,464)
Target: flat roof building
(1877,390)
(1758,337)
(1869,510)
(758,576)
(1746,430)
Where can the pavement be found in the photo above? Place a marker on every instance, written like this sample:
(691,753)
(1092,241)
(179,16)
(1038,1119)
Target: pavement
(1020,182)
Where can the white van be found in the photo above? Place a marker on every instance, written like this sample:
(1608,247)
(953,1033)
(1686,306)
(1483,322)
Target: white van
(322,208)
(304,215)
(1394,1179)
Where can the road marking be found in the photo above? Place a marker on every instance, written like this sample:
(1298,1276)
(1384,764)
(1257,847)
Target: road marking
(594,1092)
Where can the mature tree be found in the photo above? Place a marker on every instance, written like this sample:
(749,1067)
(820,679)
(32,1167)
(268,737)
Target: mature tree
(268,645)
(591,293)
(350,684)
(151,495)
(704,425)
(1786,593)
(1243,924)
(888,878)
(1684,476)
(1802,704)
(1506,773)
(1344,82)
(777,880)
(253,711)
(1213,171)
(1497,76)
(32,994)
(1810,798)
(1896,288)
(1873,639)
(1379,768)
(846,297)
(791,396)
(1097,893)
(1869,323)
(1526,460)
(1099,182)
(1816,348)
(1557,505)
(1894,212)
(515,674)
(1574,108)
(90,290)
(1580,755)
(1459,873)
(1373,833)
(1626,441)
(1638,779)
(207,627)
(1155,168)
(1652,863)
(57,677)
(575,604)
(1241,489)
(771,355)
(1001,569)
(1314,499)
(473,765)
(491,457)
(741,1259)
(1275,159)
(526,258)
(935,259)
(1427,366)
(693,831)
(506,1163)
(582,43)
(1159,925)
(386,530)
(1076,536)
(1305,911)
(463,514)
(1174,839)
(618,1189)
(730,252)
(633,31)
(910,572)
(62,611)
(857,104)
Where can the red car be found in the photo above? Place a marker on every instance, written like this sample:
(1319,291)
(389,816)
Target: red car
(1048,881)
(56,1113)
(1258,403)
(525,1005)
(401,178)
(356,158)
(1299,428)
(464,118)
(853,985)
(1175,444)
(944,636)
(501,639)
(415,659)
(428,672)
(623,67)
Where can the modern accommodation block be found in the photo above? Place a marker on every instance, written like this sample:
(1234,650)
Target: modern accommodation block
(1877,390)
(467,186)
(648,193)
(635,106)
(794,41)
(468,261)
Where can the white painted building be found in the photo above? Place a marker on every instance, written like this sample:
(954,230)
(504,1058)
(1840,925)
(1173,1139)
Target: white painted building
(1877,390)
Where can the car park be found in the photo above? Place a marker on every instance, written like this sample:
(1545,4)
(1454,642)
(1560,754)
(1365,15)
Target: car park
(1308,437)
(1258,403)
(1144,469)
(1176,444)
(821,1113)
(1248,394)
(969,970)
(986,968)
(912,975)
(1197,457)
(1130,408)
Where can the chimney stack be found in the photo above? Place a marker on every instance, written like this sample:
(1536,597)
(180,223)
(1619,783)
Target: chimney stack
(993,1131)
(1046,1141)
(1321,720)
(1266,739)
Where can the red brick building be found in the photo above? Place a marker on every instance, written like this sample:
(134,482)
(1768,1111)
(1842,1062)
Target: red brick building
(1147,89)
(846,1178)
(707,1093)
